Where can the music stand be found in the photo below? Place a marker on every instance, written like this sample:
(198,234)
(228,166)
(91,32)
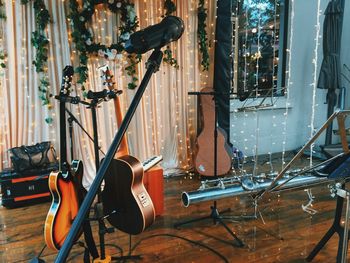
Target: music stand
(214,212)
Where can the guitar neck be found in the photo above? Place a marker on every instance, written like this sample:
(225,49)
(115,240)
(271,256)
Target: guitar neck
(149,163)
(63,137)
(64,91)
(123,148)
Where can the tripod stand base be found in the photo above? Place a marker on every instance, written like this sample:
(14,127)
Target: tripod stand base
(335,228)
(217,219)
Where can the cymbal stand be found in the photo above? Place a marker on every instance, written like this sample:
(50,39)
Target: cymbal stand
(214,214)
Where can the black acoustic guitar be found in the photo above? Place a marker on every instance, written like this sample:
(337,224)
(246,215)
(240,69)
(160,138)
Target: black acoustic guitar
(126,203)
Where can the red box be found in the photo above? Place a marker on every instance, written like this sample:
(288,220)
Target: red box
(153,182)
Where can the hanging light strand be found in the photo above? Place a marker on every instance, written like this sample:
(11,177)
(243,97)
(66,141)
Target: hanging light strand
(314,81)
(273,116)
(289,82)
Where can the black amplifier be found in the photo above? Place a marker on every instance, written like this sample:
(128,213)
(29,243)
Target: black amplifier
(19,189)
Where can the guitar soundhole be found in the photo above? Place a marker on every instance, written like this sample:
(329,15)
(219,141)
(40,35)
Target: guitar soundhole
(143,199)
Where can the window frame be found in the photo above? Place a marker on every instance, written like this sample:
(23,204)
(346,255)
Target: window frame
(279,90)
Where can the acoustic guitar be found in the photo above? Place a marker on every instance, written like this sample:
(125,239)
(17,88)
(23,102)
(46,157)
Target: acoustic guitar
(66,184)
(204,159)
(126,203)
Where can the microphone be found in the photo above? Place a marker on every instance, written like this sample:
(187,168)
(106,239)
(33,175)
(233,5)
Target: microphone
(156,36)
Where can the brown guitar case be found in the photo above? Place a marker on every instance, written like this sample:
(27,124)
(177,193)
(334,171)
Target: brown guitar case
(204,160)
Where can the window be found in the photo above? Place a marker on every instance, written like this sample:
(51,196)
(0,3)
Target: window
(259,42)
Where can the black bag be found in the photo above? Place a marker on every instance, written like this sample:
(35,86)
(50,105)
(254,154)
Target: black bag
(33,157)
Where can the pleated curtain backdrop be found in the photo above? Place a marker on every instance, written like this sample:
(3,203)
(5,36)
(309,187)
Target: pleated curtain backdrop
(166,119)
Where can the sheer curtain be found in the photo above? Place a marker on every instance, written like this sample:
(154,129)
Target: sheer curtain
(165,121)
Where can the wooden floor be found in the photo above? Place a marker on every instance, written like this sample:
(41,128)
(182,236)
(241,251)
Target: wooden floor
(285,233)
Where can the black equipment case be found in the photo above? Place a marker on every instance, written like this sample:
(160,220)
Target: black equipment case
(19,189)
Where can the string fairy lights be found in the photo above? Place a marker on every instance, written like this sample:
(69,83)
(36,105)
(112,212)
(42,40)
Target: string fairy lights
(273,87)
(289,80)
(308,207)
(314,79)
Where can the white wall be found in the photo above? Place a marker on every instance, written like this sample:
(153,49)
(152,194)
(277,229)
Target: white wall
(272,130)
(345,50)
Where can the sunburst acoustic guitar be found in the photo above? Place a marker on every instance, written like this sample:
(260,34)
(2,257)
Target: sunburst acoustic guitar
(65,185)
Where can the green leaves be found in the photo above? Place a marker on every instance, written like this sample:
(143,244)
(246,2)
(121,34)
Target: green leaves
(2,59)
(168,58)
(170,8)
(202,35)
(41,44)
(83,38)
(133,60)
(2,53)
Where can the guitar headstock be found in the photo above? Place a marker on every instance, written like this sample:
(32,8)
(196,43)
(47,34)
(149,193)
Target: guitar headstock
(107,77)
(67,76)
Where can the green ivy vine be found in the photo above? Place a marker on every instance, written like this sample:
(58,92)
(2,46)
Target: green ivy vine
(2,11)
(2,59)
(41,43)
(202,35)
(170,8)
(83,36)
(2,52)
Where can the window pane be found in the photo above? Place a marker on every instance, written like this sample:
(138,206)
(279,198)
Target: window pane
(257,47)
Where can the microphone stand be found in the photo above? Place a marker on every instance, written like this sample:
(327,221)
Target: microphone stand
(152,66)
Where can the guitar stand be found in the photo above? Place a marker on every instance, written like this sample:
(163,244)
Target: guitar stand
(98,208)
(103,230)
(88,237)
(214,214)
(152,66)
(336,227)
